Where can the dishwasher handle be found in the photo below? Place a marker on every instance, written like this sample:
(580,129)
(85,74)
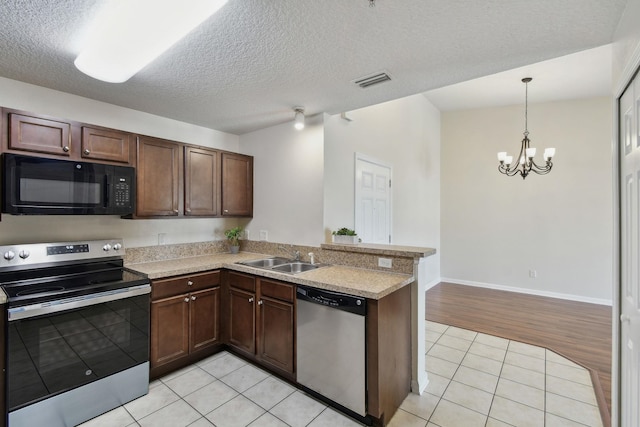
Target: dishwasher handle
(349,303)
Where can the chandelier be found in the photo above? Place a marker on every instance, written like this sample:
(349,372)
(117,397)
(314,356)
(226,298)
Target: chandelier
(526,164)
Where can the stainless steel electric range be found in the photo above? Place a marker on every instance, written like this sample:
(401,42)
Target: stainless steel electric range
(77,331)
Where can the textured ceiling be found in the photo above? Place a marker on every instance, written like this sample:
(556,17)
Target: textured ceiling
(247,66)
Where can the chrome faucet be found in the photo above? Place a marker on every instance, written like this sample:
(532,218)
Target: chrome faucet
(296,254)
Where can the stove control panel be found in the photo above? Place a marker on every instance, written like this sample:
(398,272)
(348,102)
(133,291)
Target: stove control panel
(38,253)
(67,249)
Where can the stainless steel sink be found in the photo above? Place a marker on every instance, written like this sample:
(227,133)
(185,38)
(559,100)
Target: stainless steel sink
(266,262)
(282,265)
(295,267)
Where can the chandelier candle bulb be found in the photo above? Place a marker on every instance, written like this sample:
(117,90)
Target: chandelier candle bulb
(502,156)
(508,160)
(531,152)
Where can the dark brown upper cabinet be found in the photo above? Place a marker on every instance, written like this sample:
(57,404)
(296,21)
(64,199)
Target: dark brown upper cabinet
(237,185)
(38,135)
(201,182)
(158,177)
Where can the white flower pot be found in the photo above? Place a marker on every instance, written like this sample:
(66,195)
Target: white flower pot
(345,240)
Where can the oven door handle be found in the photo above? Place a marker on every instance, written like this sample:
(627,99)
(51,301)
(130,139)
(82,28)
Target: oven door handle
(27,311)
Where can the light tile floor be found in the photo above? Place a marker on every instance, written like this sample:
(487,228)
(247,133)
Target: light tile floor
(475,380)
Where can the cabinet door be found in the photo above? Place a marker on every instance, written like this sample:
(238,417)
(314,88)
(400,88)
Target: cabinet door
(169,329)
(28,133)
(201,183)
(204,309)
(242,320)
(105,144)
(158,177)
(276,331)
(237,185)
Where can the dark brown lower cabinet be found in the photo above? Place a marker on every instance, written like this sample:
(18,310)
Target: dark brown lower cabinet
(275,333)
(388,354)
(185,326)
(261,320)
(242,320)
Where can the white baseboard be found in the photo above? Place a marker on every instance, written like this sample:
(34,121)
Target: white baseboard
(432,283)
(537,292)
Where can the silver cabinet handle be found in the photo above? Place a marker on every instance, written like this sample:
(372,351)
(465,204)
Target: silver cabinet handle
(65,148)
(251,299)
(625,318)
(189,283)
(226,211)
(260,302)
(188,210)
(186,299)
(86,152)
(193,297)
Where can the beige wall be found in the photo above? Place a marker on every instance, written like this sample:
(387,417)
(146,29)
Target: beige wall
(25,229)
(497,228)
(404,133)
(287,193)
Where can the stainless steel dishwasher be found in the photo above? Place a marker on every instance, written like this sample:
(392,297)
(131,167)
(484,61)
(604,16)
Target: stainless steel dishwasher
(331,346)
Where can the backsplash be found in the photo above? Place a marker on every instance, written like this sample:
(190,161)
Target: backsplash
(400,264)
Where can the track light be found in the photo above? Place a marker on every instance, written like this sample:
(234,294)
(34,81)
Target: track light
(298,121)
(128,35)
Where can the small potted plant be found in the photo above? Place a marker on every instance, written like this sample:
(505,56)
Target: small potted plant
(345,236)
(233,236)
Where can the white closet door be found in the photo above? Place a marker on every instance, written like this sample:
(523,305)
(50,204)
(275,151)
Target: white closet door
(372,200)
(629,121)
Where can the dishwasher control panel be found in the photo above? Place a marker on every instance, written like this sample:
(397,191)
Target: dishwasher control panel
(339,301)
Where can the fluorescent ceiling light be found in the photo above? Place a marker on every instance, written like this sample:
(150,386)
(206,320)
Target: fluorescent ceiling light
(129,34)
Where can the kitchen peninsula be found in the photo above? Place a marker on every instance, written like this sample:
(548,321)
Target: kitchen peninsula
(393,322)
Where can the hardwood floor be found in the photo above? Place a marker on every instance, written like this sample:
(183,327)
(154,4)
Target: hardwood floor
(579,331)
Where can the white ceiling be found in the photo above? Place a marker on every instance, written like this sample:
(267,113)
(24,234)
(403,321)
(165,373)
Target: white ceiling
(247,66)
(579,75)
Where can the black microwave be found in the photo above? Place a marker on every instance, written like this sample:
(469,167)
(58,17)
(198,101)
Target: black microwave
(39,186)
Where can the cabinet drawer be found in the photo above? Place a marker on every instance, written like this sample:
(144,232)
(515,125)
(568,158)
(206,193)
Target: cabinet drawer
(241,281)
(181,284)
(277,290)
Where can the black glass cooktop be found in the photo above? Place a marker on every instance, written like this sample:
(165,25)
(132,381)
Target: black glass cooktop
(65,281)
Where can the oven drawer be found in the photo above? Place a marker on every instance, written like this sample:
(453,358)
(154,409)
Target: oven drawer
(182,284)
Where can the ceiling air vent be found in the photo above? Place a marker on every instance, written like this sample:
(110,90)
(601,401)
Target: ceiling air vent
(375,79)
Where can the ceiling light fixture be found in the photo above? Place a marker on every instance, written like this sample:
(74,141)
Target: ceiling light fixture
(526,163)
(298,120)
(130,34)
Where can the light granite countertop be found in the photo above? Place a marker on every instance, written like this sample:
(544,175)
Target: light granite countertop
(372,284)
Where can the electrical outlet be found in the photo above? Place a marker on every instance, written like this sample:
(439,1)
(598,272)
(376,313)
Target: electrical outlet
(384,262)
(246,234)
(162,237)
(533,274)
(264,235)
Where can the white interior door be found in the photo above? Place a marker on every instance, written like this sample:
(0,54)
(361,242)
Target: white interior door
(372,200)
(629,122)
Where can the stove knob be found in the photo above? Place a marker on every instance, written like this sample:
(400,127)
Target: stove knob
(24,254)
(117,247)
(106,247)
(9,255)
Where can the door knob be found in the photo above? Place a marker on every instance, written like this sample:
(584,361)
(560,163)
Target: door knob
(65,148)
(186,299)
(624,318)
(86,152)
(251,299)
(189,283)
(193,298)
(260,302)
